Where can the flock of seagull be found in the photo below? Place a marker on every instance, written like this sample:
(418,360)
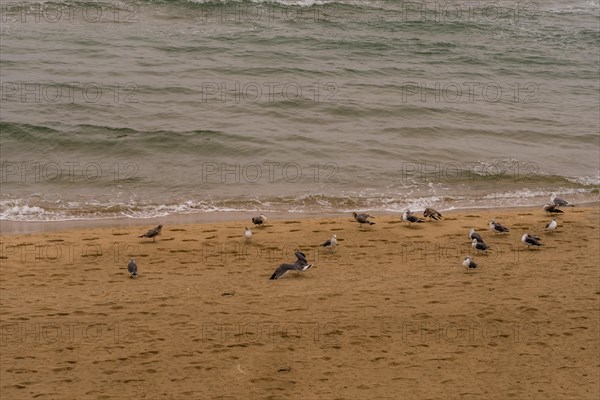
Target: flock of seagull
(301,264)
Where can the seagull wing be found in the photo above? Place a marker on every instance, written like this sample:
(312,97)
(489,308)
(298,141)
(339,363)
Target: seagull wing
(282,270)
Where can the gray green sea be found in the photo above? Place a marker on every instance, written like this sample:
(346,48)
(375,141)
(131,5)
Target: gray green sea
(155,108)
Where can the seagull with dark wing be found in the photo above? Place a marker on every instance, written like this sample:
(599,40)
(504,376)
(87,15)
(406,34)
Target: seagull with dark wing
(498,228)
(479,246)
(363,218)
(530,240)
(259,221)
(300,265)
(331,243)
(132,268)
(431,213)
(152,233)
(469,264)
(475,235)
(552,209)
(559,202)
(408,217)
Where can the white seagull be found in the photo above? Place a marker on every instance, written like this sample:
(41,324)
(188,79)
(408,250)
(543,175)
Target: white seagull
(550,226)
(469,264)
(132,268)
(531,240)
(300,265)
(331,243)
(496,227)
(248,234)
(560,202)
(408,217)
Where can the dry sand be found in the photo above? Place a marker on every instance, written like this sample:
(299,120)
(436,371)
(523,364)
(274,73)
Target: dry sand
(391,314)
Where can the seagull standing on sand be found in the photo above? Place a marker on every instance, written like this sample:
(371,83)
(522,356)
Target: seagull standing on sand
(550,226)
(531,240)
(475,235)
(259,221)
(132,268)
(363,218)
(300,265)
(560,202)
(408,217)
(479,245)
(431,213)
(248,234)
(469,264)
(496,227)
(552,209)
(152,233)
(331,243)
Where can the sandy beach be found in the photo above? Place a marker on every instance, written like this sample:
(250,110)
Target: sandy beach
(390,314)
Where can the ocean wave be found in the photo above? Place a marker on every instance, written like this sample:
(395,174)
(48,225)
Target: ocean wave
(372,200)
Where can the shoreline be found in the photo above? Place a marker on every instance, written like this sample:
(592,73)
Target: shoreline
(8,227)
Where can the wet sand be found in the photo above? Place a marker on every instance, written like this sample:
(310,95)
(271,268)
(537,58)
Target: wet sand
(390,314)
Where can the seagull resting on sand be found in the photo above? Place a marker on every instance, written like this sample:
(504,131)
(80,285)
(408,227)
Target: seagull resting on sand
(363,218)
(152,233)
(259,221)
(132,268)
(331,243)
(469,264)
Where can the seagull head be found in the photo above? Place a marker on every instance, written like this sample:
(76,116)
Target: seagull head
(468,258)
(334,236)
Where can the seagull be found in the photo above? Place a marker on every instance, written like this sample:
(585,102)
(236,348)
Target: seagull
(408,217)
(431,213)
(477,245)
(300,265)
(475,235)
(531,240)
(363,218)
(132,268)
(469,264)
(258,221)
(152,233)
(560,202)
(248,234)
(496,227)
(552,209)
(550,226)
(331,243)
